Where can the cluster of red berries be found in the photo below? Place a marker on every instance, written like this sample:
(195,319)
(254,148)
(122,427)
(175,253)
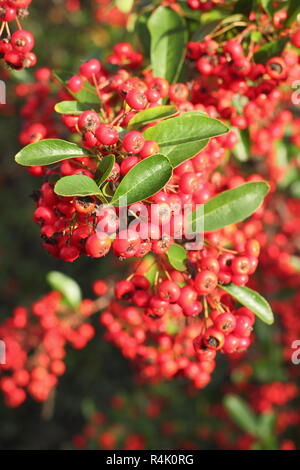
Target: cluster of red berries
(70,226)
(35,341)
(15,48)
(176,326)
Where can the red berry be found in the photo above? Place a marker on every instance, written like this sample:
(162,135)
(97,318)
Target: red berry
(107,135)
(150,147)
(133,142)
(100,288)
(98,245)
(169,291)
(88,121)
(225,322)
(126,244)
(69,253)
(124,290)
(85,205)
(213,339)
(90,68)
(206,282)
(22,41)
(136,99)
(75,83)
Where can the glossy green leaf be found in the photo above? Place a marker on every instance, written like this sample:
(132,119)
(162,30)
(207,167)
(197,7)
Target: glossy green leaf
(252,300)
(66,286)
(145,179)
(104,169)
(230,207)
(242,149)
(72,107)
(76,185)
(268,6)
(48,151)
(204,30)
(293,11)
(177,257)
(168,38)
(142,33)
(266,425)
(241,414)
(269,50)
(143,118)
(181,138)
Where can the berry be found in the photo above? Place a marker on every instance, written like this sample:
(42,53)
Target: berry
(213,339)
(136,100)
(169,291)
(107,135)
(98,245)
(133,142)
(22,41)
(206,282)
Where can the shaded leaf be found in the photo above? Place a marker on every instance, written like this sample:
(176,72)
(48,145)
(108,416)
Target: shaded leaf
(168,38)
(143,118)
(177,257)
(241,414)
(66,286)
(76,185)
(105,168)
(269,50)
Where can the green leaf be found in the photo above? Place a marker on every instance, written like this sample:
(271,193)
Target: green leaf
(76,185)
(252,300)
(177,257)
(145,179)
(269,50)
(143,34)
(168,38)
(48,151)
(86,95)
(244,7)
(241,414)
(266,431)
(268,6)
(66,286)
(181,138)
(143,118)
(242,149)
(105,167)
(230,207)
(72,107)
(293,12)
(204,30)
(125,6)
(151,268)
